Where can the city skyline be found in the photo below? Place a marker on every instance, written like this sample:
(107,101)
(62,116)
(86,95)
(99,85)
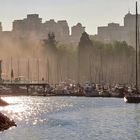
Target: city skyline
(91,13)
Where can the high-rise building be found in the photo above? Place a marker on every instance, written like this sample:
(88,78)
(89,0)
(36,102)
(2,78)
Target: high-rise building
(32,27)
(115,32)
(111,33)
(76,32)
(60,30)
(33,22)
(27,26)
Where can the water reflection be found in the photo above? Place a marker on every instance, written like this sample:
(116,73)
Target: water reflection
(137,121)
(30,109)
(77,118)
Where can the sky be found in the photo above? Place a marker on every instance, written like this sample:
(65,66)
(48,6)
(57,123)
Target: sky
(91,13)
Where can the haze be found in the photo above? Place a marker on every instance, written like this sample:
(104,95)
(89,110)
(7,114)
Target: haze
(91,13)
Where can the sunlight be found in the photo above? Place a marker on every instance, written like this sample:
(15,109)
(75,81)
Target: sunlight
(15,105)
(10,100)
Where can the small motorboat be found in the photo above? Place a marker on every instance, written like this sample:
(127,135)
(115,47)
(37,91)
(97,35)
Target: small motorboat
(135,98)
(3,103)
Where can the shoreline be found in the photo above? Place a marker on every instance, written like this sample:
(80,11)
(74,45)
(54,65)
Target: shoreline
(52,95)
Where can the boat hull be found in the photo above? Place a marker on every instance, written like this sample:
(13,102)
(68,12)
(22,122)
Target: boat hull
(132,99)
(3,103)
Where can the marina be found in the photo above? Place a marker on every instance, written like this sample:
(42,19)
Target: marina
(63,83)
(65,89)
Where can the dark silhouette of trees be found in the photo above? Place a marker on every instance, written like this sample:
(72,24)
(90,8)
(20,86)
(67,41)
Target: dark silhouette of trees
(84,58)
(51,55)
(50,43)
(85,41)
(92,61)
(117,61)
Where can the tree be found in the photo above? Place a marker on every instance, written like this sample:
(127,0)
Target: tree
(85,41)
(50,43)
(51,55)
(84,58)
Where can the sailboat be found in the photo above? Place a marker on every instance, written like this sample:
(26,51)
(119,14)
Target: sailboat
(134,97)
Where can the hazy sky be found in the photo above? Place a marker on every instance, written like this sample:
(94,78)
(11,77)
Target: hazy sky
(91,13)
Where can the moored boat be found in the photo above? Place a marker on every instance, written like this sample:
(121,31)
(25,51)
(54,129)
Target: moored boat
(132,98)
(3,103)
(90,90)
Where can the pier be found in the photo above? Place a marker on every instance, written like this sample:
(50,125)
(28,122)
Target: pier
(27,85)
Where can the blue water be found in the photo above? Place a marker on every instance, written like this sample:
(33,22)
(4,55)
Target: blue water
(71,118)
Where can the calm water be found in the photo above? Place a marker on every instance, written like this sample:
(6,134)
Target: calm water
(71,118)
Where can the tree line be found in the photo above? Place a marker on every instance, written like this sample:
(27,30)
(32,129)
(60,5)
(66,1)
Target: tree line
(91,61)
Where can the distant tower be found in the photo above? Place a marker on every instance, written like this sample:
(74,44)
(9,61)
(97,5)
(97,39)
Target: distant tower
(76,33)
(77,30)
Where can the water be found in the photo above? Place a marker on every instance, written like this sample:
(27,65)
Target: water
(71,118)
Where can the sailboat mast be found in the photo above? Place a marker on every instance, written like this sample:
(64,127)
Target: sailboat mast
(37,62)
(90,68)
(18,67)
(12,74)
(136,47)
(28,70)
(78,68)
(48,70)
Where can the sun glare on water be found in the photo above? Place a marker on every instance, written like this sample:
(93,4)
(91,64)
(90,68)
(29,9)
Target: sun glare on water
(29,109)
(10,100)
(15,108)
